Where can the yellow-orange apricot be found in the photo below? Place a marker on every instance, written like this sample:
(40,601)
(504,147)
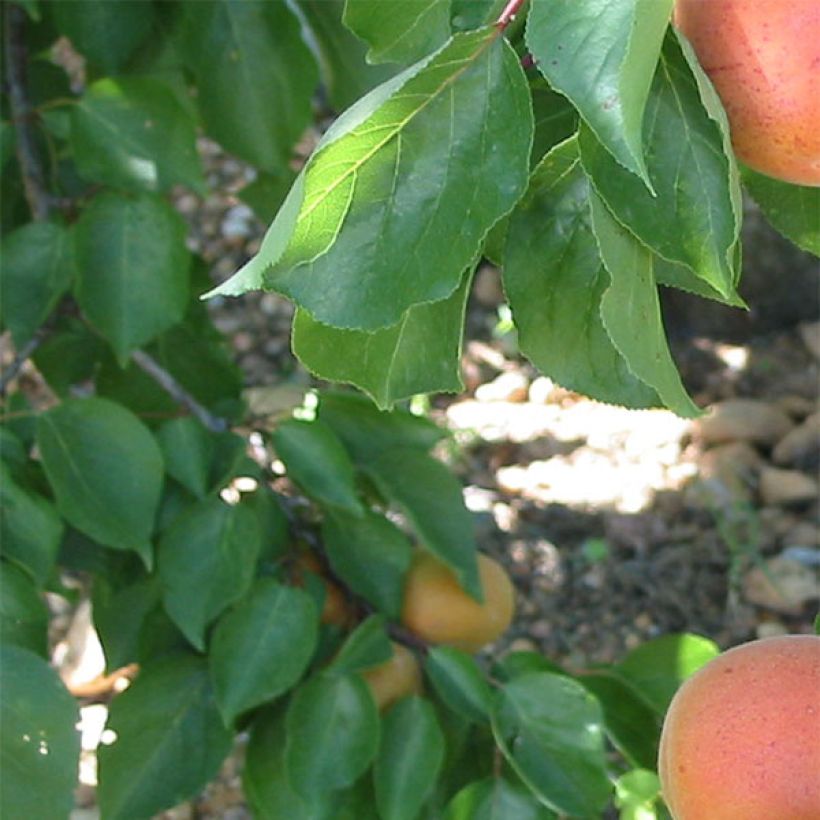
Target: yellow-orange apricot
(394,679)
(741,738)
(763,57)
(437,609)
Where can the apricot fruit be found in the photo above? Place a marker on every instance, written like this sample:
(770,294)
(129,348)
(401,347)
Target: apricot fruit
(394,679)
(763,57)
(437,609)
(741,738)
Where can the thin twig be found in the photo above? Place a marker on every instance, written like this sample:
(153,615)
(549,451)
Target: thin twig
(22,113)
(508,14)
(10,373)
(177,392)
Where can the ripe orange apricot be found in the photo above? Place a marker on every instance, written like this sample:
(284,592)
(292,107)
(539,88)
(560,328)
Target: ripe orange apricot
(437,609)
(394,679)
(337,609)
(741,738)
(763,57)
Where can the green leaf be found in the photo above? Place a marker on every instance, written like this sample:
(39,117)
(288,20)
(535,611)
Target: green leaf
(694,218)
(555,280)
(629,723)
(495,798)
(431,498)
(470,14)
(170,740)
(515,664)
(367,432)
(40,748)
(555,119)
(637,793)
(369,230)
(262,647)
(410,757)
(550,729)
(69,354)
(36,269)
(793,210)
(30,528)
(459,682)
(132,133)
(105,32)
(341,55)
(206,560)
(370,554)
(318,463)
(332,734)
(401,31)
(133,269)
(255,77)
(366,646)
(105,469)
(420,354)
(188,449)
(631,310)
(658,667)
(601,54)
(23,614)
(265,780)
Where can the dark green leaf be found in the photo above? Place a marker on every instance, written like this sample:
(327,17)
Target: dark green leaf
(550,729)
(469,14)
(431,498)
(133,269)
(206,561)
(367,431)
(515,664)
(188,450)
(265,779)
(410,757)
(30,528)
(132,133)
(105,469)
(695,218)
(332,734)
(370,554)
(36,269)
(420,354)
(40,748)
(255,77)
(401,31)
(555,280)
(369,230)
(630,724)
(601,54)
(23,614)
(262,647)
(657,668)
(494,798)
(318,463)
(107,32)
(631,312)
(366,646)
(345,74)
(794,210)
(170,740)
(69,355)
(459,682)
(555,119)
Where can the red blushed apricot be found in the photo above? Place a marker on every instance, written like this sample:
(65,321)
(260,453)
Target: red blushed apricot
(741,739)
(763,57)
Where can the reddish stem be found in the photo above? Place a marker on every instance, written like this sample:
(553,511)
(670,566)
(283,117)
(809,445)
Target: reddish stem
(508,14)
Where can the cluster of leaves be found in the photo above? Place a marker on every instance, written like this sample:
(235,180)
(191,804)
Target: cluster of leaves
(572,176)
